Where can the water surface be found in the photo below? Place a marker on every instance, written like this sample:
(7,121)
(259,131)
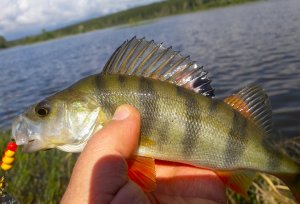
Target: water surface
(250,43)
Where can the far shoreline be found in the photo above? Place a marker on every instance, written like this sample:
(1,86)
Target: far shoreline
(131,17)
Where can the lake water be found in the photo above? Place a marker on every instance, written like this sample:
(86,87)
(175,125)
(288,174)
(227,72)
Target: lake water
(250,43)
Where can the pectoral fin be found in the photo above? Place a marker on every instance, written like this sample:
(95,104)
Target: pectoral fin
(141,170)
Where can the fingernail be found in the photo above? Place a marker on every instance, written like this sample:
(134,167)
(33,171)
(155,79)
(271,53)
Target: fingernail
(121,113)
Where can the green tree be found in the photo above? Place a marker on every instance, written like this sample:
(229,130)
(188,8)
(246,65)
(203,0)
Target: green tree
(46,35)
(3,43)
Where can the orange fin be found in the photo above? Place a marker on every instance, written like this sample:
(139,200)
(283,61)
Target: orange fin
(141,170)
(253,103)
(238,104)
(238,181)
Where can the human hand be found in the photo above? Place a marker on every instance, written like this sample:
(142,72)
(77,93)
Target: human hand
(100,173)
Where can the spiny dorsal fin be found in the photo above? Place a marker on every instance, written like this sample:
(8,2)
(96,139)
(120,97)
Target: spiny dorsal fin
(253,102)
(143,58)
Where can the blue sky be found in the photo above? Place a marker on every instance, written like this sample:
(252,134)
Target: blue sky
(19,18)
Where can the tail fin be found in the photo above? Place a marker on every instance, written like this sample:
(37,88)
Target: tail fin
(253,103)
(293,182)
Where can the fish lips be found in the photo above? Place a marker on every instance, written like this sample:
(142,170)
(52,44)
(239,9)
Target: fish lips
(33,146)
(24,133)
(20,131)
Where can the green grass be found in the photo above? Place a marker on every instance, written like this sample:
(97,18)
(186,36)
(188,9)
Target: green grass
(42,177)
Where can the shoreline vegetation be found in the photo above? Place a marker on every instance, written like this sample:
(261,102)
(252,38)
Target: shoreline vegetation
(131,16)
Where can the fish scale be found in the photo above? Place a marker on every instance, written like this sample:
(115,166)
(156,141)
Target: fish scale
(181,120)
(186,130)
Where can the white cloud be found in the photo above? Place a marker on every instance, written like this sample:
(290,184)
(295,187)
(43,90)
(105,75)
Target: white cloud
(24,17)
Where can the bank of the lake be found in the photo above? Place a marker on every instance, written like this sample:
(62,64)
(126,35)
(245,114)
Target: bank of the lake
(131,16)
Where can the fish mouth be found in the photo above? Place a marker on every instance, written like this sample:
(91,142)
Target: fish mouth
(24,132)
(33,146)
(20,131)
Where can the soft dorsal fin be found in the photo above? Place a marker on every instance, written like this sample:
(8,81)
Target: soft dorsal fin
(253,102)
(143,58)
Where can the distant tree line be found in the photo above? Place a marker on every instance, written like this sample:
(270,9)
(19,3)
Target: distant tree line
(155,10)
(3,42)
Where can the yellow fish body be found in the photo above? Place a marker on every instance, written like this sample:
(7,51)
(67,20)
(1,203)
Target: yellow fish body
(181,121)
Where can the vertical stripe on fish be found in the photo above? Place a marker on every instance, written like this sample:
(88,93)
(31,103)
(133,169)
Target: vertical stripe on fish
(191,131)
(149,107)
(213,106)
(237,133)
(103,96)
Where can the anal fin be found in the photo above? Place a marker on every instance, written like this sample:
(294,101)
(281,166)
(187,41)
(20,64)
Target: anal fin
(238,181)
(141,170)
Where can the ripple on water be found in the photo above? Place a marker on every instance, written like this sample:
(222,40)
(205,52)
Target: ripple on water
(250,43)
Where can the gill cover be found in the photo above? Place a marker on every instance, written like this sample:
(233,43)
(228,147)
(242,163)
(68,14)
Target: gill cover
(67,125)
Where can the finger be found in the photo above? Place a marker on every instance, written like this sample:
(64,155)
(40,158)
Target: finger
(120,136)
(130,193)
(101,169)
(187,181)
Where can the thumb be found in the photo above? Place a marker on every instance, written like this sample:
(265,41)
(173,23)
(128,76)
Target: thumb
(118,137)
(101,169)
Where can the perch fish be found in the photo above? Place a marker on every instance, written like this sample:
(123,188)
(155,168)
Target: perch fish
(182,121)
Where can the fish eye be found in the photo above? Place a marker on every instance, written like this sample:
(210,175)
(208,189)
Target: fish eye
(42,109)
